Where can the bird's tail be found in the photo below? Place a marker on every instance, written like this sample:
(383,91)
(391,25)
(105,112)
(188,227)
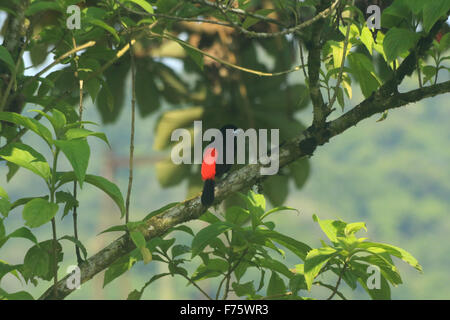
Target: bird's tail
(208,192)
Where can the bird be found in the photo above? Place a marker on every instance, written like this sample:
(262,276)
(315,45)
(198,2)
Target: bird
(211,169)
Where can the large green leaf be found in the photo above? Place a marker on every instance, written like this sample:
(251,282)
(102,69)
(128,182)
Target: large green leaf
(103,184)
(38,212)
(28,123)
(382,293)
(76,133)
(314,262)
(332,228)
(300,249)
(24,233)
(26,157)
(39,6)
(103,25)
(144,4)
(363,70)
(276,285)
(5,56)
(206,235)
(37,261)
(398,41)
(119,267)
(172,120)
(5,207)
(77,152)
(392,250)
(57,119)
(434,10)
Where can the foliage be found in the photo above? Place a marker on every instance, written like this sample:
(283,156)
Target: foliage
(236,68)
(244,239)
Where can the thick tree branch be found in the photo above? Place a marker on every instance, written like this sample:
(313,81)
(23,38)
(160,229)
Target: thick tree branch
(298,147)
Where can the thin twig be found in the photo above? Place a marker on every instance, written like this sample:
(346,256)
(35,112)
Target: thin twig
(58,60)
(341,274)
(133,107)
(80,117)
(230,271)
(229,64)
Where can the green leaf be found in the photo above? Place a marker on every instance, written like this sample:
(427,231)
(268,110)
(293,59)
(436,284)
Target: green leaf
(23,201)
(300,171)
(58,119)
(300,249)
(383,293)
(146,255)
(77,152)
(36,261)
(276,189)
(77,133)
(282,208)
(19,295)
(180,249)
(195,55)
(332,228)
(363,70)
(172,120)
(119,267)
(398,41)
(314,262)
(24,233)
(147,93)
(138,239)
(143,4)
(122,227)
(237,215)
(209,217)
(160,210)
(5,56)
(434,10)
(70,201)
(2,232)
(3,193)
(243,289)
(206,235)
(101,183)
(250,21)
(26,157)
(392,250)
(256,203)
(387,268)
(134,295)
(352,228)
(76,242)
(103,25)
(38,212)
(276,266)
(28,123)
(39,6)
(5,207)
(276,285)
